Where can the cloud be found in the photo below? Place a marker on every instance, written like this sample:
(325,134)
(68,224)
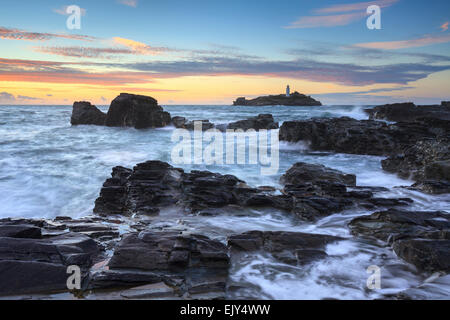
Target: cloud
(326,21)
(302,69)
(63,11)
(16,34)
(444,27)
(139,47)
(402,44)
(130,3)
(6,97)
(337,15)
(360,6)
(84,52)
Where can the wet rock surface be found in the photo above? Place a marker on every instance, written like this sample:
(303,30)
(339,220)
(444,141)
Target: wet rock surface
(180,264)
(260,122)
(86,113)
(30,262)
(154,185)
(347,135)
(289,247)
(420,238)
(305,172)
(427,162)
(401,112)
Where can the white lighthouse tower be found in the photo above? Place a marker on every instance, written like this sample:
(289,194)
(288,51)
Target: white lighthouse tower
(288,91)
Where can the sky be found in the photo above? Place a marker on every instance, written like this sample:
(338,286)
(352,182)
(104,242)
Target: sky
(211,52)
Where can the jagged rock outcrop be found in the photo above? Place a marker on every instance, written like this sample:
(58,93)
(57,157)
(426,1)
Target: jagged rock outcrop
(295,99)
(289,247)
(85,113)
(401,112)
(368,137)
(421,238)
(427,162)
(140,112)
(153,185)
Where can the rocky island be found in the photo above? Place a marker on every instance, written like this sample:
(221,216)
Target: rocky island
(294,99)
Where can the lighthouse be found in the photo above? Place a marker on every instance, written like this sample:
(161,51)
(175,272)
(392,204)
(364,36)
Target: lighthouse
(288,91)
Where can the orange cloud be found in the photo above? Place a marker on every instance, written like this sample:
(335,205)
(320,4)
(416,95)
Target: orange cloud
(402,44)
(138,47)
(444,27)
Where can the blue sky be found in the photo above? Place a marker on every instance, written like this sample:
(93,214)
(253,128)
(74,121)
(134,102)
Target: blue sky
(228,47)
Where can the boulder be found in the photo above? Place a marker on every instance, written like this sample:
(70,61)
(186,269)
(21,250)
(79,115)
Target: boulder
(305,172)
(85,113)
(140,112)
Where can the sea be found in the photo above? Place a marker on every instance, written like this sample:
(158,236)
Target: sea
(49,168)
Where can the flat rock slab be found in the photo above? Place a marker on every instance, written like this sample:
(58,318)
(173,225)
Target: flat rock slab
(289,247)
(420,238)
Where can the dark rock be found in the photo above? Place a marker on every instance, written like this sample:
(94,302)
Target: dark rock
(260,122)
(86,113)
(153,185)
(183,123)
(426,161)
(426,255)
(400,112)
(179,122)
(305,172)
(122,278)
(40,265)
(168,251)
(140,112)
(295,99)
(420,238)
(347,135)
(432,186)
(20,231)
(395,224)
(191,263)
(288,247)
